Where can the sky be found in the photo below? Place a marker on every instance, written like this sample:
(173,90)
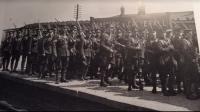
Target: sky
(19,12)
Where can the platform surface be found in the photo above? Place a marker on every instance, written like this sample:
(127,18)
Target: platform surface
(115,96)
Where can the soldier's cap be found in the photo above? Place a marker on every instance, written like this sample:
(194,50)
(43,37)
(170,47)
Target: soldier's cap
(168,30)
(50,29)
(44,31)
(74,27)
(187,30)
(38,28)
(177,29)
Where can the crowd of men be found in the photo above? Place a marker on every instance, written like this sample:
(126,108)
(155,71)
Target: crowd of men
(135,56)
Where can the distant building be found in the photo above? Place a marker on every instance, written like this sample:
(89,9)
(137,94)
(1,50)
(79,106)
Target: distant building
(183,20)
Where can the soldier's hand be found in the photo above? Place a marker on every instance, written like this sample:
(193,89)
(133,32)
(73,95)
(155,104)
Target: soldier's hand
(29,52)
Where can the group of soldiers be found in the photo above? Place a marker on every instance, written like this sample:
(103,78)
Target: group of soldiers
(136,57)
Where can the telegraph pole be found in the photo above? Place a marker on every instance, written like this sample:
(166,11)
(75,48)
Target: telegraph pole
(77,12)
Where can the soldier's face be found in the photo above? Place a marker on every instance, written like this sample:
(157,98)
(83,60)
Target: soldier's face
(120,34)
(11,34)
(98,33)
(51,33)
(93,34)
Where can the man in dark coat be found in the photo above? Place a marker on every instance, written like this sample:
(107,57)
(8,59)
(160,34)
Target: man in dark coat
(190,71)
(33,52)
(41,53)
(24,44)
(16,50)
(6,49)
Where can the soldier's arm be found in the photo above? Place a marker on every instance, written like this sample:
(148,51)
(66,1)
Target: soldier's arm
(29,44)
(105,46)
(161,48)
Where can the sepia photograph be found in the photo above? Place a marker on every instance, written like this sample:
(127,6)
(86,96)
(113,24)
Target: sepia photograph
(99,55)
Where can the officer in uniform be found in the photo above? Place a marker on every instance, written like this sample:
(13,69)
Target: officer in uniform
(16,49)
(5,49)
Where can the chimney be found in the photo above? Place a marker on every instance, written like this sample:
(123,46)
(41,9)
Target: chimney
(122,9)
(141,8)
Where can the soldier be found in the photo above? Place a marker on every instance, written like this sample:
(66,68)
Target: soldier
(88,50)
(120,43)
(16,50)
(63,55)
(25,45)
(72,50)
(33,52)
(49,53)
(133,50)
(177,42)
(189,66)
(105,52)
(94,54)
(80,54)
(167,63)
(41,53)
(5,49)
(152,52)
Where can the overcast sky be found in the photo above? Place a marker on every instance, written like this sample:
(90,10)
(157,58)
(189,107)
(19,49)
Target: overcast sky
(30,11)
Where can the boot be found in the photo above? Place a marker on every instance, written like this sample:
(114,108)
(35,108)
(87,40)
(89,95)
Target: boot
(57,81)
(63,78)
(141,86)
(129,87)
(179,90)
(134,85)
(107,81)
(102,83)
(154,90)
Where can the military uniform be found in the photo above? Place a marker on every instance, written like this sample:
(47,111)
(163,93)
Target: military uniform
(41,56)
(153,55)
(94,56)
(167,63)
(190,70)
(63,56)
(16,51)
(120,43)
(133,50)
(49,48)
(105,53)
(72,51)
(80,56)
(5,49)
(24,52)
(88,54)
(33,54)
